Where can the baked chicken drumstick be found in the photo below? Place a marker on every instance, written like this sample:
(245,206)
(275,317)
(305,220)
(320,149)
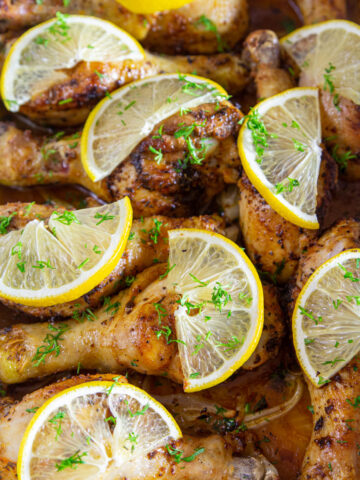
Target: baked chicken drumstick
(166,188)
(336,420)
(126,332)
(216,460)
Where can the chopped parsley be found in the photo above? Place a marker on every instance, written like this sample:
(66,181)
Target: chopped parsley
(210,26)
(287,188)
(51,344)
(66,217)
(158,154)
(310,315)
(178,454)
(5,222)
(71,462)
(220,297)
(104,217)
(259,133)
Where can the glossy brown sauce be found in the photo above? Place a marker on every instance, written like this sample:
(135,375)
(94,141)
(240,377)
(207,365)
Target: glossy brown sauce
(284,449)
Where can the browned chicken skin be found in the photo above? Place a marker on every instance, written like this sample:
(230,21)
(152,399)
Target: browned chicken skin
(344,235)
(341,132)
(140,253)
(273,243)
(340,122)
(332,453)
(315,11)
(154,189)
(88,82)
(262,54)
(216,461)
(16,15)
(172,31)
(185,31)
(122,334)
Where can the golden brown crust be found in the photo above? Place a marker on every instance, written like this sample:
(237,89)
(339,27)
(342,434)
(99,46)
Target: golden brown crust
(332,453)
(140,253)
(121,335)
(345,234)
(273,243)
(7,470)
(334,439)
(19,14)
(85,88)
(341,131)
(167,188)
(154,189)
(262,53)
(171,31)
(185,34)
(315,11)
(29,159)
(273,331)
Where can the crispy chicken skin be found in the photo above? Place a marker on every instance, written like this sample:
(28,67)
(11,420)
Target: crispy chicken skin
(172,31)
(215,462)
(273,243)
(123,335)
(183,31)
(315,11)
(88,82)
(273,331)
(19,14)
(341,131)
(141,252)
(262,54)
(335,437)
(344,235)
(154,189)
(340,123)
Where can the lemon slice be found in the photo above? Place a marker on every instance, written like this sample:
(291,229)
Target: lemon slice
(152,6)
(37,59)
(279,146)
(118,124)
(328,55)
(326,326)
(220,317)
(43,266)
(95,430)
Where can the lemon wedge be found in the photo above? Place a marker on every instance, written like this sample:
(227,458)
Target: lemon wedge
(95,430)
(220,317)
(326,326)
(328,56)
(152,6)
(37,59)
(118,124)
(43,265)
(279,146)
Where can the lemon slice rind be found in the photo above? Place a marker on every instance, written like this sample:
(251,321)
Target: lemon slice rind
(340,50)
(84,428)
(213,259)
(327,340)
(291,159)
(53,272)
(97,40)
(146,6)
(117,124)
